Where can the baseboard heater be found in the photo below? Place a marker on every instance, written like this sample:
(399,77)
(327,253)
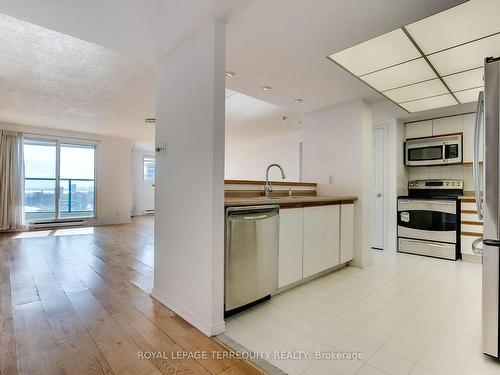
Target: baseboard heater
(58,224)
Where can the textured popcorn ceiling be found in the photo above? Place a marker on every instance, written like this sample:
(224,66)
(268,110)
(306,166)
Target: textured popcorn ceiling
(53,80)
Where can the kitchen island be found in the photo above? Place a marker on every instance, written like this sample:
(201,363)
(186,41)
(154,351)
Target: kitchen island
(316,233)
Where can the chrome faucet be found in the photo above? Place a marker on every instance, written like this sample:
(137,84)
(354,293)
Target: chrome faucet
(267,188)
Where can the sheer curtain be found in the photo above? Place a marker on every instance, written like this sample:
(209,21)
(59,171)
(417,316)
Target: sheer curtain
(11,180)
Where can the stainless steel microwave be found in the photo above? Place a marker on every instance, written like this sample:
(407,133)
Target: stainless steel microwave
(439,150)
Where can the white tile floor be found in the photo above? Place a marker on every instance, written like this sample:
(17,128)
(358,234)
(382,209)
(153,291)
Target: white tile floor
(407,314)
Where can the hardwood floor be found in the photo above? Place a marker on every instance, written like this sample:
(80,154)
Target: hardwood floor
(78,303)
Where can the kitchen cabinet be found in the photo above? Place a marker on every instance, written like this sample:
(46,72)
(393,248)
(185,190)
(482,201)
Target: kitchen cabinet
(314,239)
(346,232)
(314,218)
(418,129)
(469,122)
(321,239)
(429,128)
(291,229)
(331,236)
(447,125)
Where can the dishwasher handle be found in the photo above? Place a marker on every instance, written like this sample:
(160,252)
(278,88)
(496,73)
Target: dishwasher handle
(252,216)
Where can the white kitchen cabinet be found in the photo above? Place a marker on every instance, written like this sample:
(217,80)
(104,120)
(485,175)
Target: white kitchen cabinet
(418,129)
(447,125)
(290,245)
(321,238)
(469,122)
(314,218)
(346,232)
(331,233)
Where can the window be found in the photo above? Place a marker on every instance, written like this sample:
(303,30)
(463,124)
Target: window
(59,180)
(149,168)
(40,179)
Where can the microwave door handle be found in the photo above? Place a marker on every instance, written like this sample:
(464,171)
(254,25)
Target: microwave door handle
(475,155)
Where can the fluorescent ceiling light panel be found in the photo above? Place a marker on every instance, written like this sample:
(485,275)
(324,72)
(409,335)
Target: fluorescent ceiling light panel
(463,23)
(377,53)
(429,103)
(467,56)
(468,96)
(417,91)
(465,80)
(400,75)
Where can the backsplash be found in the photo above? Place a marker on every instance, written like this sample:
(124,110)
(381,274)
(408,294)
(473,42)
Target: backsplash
(457,172)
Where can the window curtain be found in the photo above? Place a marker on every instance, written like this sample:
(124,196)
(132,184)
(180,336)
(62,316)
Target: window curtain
(11,180)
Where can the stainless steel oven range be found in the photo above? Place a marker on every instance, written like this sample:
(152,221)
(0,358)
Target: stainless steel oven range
(429,219)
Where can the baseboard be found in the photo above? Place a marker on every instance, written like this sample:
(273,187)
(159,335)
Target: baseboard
(474,258)
(110,221)
(357,264)
(196,321)
(309,278)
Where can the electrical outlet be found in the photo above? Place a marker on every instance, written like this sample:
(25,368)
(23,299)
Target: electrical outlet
(331,180)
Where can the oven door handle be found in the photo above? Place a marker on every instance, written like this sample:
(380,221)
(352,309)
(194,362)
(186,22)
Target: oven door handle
(427,243)
(420,201)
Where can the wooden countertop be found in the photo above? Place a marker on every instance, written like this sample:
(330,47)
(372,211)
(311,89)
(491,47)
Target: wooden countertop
(469,196)
(260,182)
(290,202)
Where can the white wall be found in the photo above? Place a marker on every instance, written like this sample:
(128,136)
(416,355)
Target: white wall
(143,191)
(338,142)
(114,165)
(189,225)
(248,159)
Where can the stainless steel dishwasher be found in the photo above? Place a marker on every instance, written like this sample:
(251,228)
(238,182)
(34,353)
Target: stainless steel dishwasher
(251,255)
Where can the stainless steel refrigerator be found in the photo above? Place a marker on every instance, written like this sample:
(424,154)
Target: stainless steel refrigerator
(488,206)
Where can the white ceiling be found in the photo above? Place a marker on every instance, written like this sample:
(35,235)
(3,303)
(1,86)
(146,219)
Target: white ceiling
(434,62)
(247,117)
(145,28)
(52,80)
(282,43)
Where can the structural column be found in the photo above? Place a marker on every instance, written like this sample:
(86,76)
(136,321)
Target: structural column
(189,196)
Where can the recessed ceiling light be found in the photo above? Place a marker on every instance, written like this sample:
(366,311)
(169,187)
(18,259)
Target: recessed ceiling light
(298,100)
(266,88)
(150,121)
(229,73)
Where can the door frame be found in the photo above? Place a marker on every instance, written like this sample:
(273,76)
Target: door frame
(384,128)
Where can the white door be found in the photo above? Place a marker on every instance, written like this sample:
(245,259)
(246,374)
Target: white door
(378,188)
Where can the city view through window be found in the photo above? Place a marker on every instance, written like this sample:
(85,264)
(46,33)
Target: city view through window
(58,187)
